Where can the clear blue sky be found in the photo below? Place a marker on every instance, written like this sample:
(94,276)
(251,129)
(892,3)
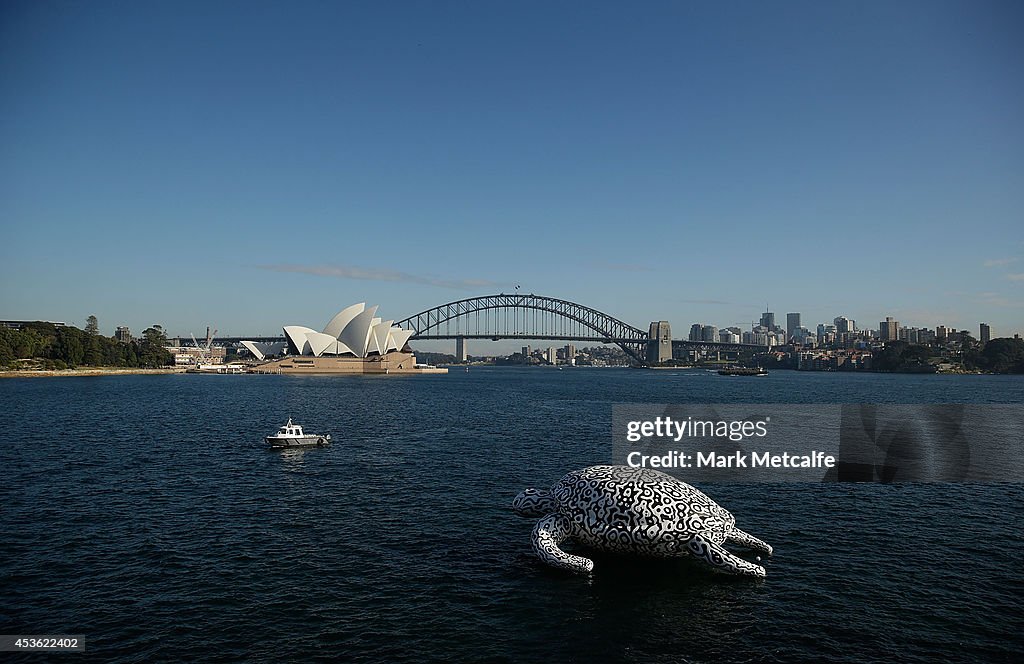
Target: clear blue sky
(250,165)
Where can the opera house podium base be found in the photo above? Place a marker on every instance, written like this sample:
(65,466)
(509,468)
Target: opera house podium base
(391,363)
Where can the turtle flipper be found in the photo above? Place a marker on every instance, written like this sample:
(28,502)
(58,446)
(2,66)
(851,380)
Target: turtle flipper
(746,539)
(721,558)
(551,531)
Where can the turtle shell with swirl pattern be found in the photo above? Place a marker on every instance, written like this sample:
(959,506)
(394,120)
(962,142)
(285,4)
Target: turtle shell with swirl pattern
(635,511)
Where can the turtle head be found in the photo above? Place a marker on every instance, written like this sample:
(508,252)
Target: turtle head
(533,502)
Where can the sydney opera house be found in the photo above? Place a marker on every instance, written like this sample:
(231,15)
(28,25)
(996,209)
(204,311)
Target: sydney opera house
(355,341)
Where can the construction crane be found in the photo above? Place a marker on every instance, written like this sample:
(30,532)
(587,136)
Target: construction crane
(204,351)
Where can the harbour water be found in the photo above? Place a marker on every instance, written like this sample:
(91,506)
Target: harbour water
(145,513)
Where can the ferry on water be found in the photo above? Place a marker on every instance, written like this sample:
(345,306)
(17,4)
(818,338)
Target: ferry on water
(743,371)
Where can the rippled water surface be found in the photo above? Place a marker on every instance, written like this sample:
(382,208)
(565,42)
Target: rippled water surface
(144,513)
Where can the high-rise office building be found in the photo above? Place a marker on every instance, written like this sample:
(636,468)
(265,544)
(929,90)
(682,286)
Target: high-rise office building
(709,333)
(985,333)
(460,350)
(552,355)
(696,332)
(792,324)
(843,325)
(889,329)
(727,336)
(768,320)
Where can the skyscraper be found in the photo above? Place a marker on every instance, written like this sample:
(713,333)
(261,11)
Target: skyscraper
(843,325)
(889,329)
(768,320)
(792,324)
(985,333)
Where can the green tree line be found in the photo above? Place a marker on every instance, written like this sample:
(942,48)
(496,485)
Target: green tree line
(1002,355)
(60,347)
(997,356)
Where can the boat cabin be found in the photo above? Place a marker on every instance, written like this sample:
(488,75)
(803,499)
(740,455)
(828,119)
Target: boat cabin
(290,429)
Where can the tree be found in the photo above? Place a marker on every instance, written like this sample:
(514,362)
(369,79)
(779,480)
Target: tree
(901,356)
(155,335)
(93,354)
(152,351)
(69,346)
(1003,356)
(92,325)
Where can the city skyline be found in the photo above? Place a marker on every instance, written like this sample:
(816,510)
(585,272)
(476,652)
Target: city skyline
(236,165)
(982,331)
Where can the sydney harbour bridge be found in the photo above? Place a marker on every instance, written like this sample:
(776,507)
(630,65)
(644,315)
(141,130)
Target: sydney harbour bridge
(520,316)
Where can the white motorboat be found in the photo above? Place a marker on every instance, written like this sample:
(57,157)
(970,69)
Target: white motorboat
(291,435)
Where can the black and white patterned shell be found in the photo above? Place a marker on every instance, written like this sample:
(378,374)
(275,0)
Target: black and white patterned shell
(633,510)
(621,508)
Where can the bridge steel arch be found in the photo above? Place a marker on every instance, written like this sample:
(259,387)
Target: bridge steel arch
(515,316)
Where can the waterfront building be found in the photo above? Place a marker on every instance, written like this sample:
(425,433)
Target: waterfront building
(526,351)
(697,332)
(552,355)
(460,350)
(355,331)
(570,354)
(354,341)
(188,356)
(709,333)
(985,333)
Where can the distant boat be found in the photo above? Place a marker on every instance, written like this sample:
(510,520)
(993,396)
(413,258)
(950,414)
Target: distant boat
(743,371)
(290,435)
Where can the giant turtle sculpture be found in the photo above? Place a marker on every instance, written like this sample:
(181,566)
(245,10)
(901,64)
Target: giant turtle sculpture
(637,511)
